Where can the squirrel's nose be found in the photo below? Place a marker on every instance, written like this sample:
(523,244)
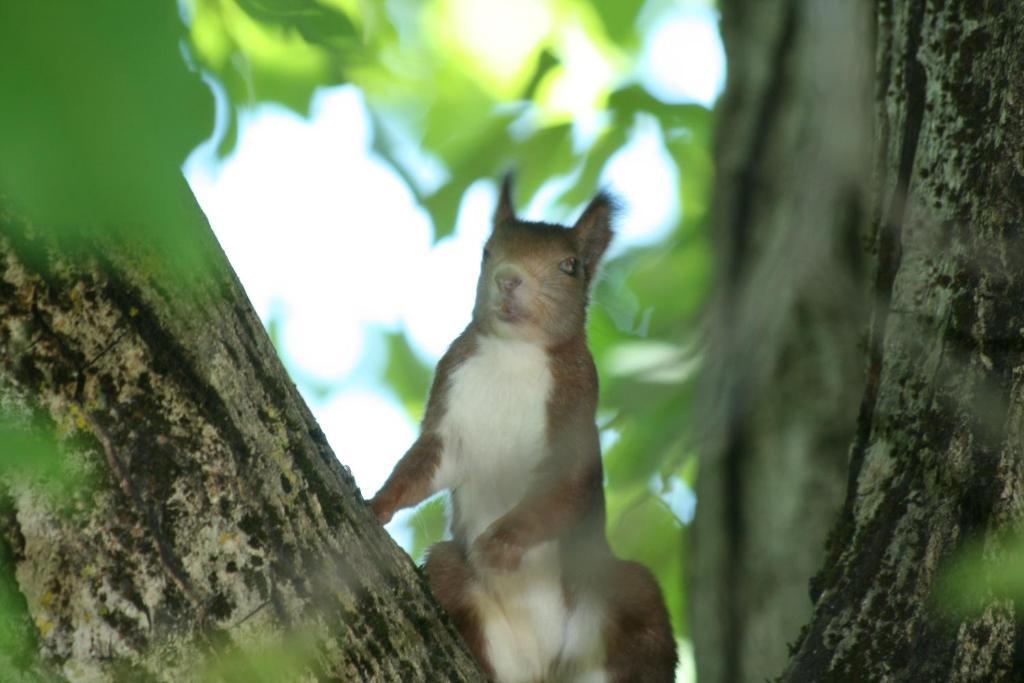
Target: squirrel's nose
(507,280)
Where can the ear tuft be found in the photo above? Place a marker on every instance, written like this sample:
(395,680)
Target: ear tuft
(506,210)
(594,229)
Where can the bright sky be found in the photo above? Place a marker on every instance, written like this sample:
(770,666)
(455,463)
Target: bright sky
(329,241)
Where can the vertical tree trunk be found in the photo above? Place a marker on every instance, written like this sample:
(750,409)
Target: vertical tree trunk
(218,519)
(784,368)
(938,460)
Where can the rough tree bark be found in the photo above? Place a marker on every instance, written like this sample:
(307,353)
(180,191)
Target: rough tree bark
(938,458)
(784,368)
(218,518)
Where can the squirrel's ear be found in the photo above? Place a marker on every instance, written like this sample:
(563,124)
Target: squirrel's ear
(506,210)
(594,230)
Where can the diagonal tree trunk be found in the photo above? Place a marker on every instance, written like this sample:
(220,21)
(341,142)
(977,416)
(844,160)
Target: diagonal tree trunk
(218,525)
(784,365)
(938,459)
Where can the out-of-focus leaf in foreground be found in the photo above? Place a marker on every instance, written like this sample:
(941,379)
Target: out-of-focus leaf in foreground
(18,635)
(34,457)
(277,658)
(983,571)
(99,111)
(30,460)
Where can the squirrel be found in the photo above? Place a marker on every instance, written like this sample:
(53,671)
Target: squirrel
(529,578)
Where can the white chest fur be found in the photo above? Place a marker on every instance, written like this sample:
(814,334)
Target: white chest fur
(494,433)
(495,428)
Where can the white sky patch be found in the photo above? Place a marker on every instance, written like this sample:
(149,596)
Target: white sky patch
(368,432)
(686,669)
(679,497)
(578,83)
(425,170)
(440,305)
(316,228)
(643,174)
(609,436)
(683,59)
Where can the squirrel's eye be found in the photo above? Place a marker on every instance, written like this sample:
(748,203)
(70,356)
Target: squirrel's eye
(487,253)
(569,265)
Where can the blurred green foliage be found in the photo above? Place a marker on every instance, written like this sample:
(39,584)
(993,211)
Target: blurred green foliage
(405,374)
(35,456)
(29,455)
(102,101)
(985,571)
(99,111)
(278,658)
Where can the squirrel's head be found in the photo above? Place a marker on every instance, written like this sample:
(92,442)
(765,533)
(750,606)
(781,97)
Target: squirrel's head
(535,277)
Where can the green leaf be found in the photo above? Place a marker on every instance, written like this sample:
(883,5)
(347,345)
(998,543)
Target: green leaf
(428,524)
(631,100)
(619,18)
(485,152)
(545,63)
(610,141)
(696,174)
(653,431)
(673,283)
(546,154)
(643,529)
(275,50)
(406,374)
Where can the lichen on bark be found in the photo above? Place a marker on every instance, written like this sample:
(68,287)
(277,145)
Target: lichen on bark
(936,465)
(217,520)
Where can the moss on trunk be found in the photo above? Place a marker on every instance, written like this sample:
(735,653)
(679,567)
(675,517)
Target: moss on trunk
(218,526)
(937,461)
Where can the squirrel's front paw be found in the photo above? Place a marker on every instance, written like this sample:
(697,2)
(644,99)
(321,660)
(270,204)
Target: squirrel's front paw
(383,508)
(498,548)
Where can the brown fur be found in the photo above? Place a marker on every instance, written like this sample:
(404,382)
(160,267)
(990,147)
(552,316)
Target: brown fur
(410,482)
(449,575)
(638,635)
(565,502)
(410,478)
